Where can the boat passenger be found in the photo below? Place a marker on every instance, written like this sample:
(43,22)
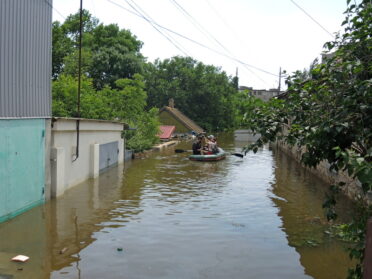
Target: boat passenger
(197,146)
(212,145)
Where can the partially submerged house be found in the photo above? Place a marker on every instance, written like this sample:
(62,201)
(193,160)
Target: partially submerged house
(166,132)
(171,116)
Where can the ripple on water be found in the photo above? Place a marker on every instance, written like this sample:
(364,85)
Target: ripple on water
(256,217)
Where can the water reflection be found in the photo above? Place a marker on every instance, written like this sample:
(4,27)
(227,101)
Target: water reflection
(168,217)
(299,195)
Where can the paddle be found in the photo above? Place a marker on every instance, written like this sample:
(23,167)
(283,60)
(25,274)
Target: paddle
(183,150)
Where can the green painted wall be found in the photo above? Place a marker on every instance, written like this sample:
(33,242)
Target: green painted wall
(22,165)
(167,119)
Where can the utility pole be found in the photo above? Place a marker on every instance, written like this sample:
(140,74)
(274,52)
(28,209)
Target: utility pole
(236,79)
(280,79)
(79,82)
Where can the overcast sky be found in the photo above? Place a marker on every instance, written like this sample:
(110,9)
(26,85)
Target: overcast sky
(264,34)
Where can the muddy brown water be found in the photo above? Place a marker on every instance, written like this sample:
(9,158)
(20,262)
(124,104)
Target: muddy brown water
(167,217)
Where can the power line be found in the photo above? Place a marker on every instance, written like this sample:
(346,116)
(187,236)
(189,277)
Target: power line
(236,37)
(306,13)
(205,32)
(224,22)
(50,5)
(194,41)
(198,25)
(152,23)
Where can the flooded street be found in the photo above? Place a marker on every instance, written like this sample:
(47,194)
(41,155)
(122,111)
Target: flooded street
(168,217)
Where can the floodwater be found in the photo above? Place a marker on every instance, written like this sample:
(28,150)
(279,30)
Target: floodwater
(167,217)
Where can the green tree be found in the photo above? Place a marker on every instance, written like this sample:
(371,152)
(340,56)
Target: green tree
(116,54)
(130,100)
(203,92)
(147,129)
(329,112)
(93,104)
(108,52)
(65,42)
(244,107)
(62,46)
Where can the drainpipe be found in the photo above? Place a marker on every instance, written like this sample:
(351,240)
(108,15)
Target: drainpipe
(79,82)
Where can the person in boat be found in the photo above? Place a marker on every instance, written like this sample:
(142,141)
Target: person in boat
(197,146)
(209,147)
(212,144)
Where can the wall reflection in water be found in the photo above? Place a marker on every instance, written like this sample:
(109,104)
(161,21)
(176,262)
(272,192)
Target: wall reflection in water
(52,235)
(258,217)
(299,194)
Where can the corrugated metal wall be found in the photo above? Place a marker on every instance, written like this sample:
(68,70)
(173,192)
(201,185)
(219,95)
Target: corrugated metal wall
(25,58)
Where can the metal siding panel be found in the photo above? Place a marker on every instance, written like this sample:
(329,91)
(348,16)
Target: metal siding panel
(7,69)
(48,59)
(17,79)
(3,59)
(30,57)
(2,29)
(13,58)
(36,59)
(25,58)
(41,37)
(25,101)
(26,79)
(10,64)
(32,70)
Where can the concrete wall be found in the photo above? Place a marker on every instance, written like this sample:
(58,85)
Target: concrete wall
(245,136)
(22,165)
(352,188)
(66,169)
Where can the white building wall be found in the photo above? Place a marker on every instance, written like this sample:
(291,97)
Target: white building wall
(66,169)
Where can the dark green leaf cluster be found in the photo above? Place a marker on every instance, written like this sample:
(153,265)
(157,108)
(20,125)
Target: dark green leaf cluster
(108,52)
(111,86)
(203,92)
(327,113)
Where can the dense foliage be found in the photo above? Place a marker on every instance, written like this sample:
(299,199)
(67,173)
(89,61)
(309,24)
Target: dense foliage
(329,112)
(108,52)
(203,92)
(111,86)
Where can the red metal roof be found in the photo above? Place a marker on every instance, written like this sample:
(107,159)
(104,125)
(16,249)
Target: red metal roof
(166,131)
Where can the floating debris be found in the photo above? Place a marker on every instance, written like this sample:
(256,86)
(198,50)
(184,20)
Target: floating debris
(20,258)
(311,243)
(120,249)
(63,250)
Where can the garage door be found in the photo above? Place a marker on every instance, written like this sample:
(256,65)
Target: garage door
(108,154)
